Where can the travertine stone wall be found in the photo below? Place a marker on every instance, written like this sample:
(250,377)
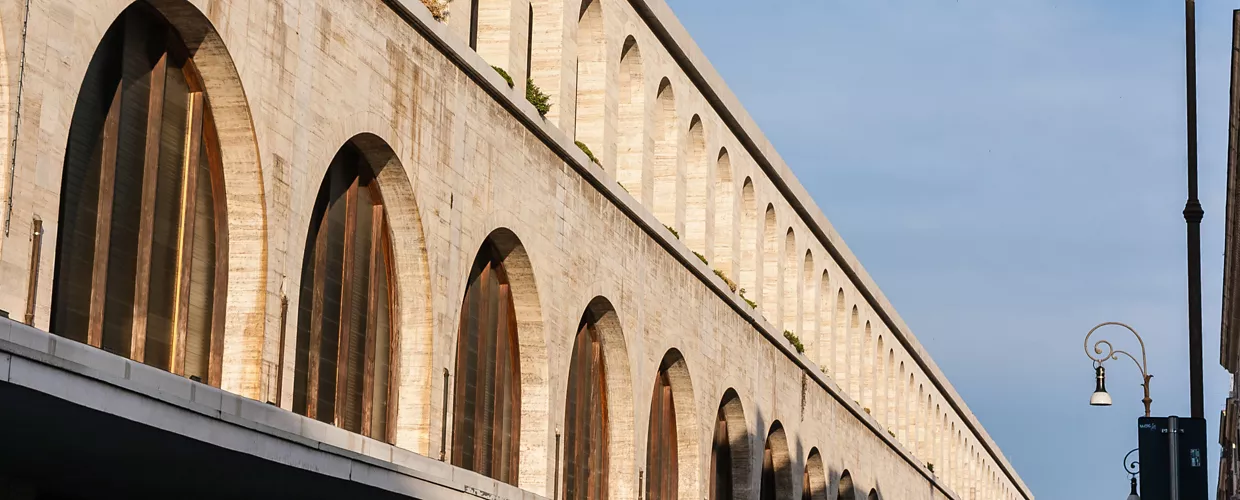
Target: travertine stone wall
(466,158)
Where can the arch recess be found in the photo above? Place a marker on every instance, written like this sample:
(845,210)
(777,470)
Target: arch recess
(174,321)
(839,358)
(671,444)
(846,490)
(723,234)
(776,465)
(500,35)
(854,353)
(631,147)
(808,318)
(814,482)
(790,283)
(501,312)
(697,182)
(591,110)
(668,183)
(749,253)
(616,477)
(242,193)
(867,365)
(729,463)
(770,266)
(825,354)
(882,398)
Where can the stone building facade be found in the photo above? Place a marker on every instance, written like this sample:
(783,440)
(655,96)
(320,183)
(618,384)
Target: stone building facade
(685,250)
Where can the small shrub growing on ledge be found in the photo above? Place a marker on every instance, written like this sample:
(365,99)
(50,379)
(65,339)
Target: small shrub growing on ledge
(890,432)
(540,100)
(586,149)
(867,411)
(752,304)
(503,74)
(438,8)
(796,342)
(726,281)
(673,231)
(930,466)
(701,258)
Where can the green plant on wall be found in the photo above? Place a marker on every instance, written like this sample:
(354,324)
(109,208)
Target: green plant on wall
(540,100)
(673,231)
(701,258)
(726,281)
(796,342)
(503,74)
(586,149)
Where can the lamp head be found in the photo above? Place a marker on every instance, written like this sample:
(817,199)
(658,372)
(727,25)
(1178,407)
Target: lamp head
(1133,495)
(1100,396)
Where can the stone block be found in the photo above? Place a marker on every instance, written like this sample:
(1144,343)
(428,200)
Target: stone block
(29,337)
(160,381)
(89,357)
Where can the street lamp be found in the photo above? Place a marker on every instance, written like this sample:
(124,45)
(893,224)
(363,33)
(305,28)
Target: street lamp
(1132,468)
(1100,396)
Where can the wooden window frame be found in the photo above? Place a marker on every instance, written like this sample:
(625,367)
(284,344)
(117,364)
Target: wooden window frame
(662,462)
(487,427)
(201,137)
(359,175)
(586,460)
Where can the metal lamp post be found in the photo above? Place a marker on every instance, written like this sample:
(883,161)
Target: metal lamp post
(1100,396)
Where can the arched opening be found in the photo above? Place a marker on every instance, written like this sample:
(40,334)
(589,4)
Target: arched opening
(749,241)
(846,490)
(808,317)
(919,428)
(345,346)
(603,465)
(630,148)
(899,395)
(882,400)
(548,70)
(770,266)
(854,353)
(868,355)
(725,203)
(671,465)
(873,495)
(825,354)
(500,35)
(906,409)
(667,181)
(661,457)
(142,251)
(790,283)
(585,416)
(890,380)
(696,185)
(487,406)
(814,482)
(729,460)
(776,465)
(840,339)
(592,81)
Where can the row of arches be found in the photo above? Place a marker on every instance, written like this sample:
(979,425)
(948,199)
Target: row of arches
(140,273)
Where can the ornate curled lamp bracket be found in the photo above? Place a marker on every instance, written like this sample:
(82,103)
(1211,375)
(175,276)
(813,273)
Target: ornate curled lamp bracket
(1132,467)
(1111,353)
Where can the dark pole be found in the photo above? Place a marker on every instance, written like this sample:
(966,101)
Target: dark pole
(1193,214)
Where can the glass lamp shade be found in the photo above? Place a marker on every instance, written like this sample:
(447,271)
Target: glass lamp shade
(1100,396)
(1133,495)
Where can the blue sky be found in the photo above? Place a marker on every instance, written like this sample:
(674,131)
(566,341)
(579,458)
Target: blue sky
(1011,173)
